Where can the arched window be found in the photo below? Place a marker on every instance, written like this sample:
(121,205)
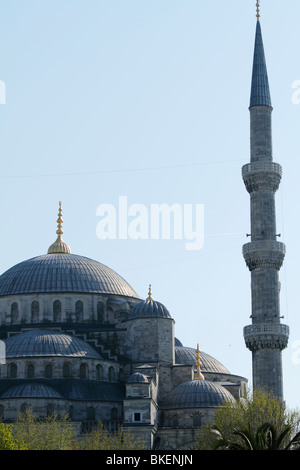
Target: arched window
(66,370)
(35,309)
(111,374)
(100,312)
(13,371)
(83,371)
(91,415)
(197,419)
(14,310)
(48,371)
(99,372)
(30,371)
(57,310)
(114,413)
(50,409)
(24,407)
(1,412)
(79,311)
(71,412)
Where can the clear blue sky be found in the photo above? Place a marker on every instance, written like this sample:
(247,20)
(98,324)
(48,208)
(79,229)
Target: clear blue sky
(149,100)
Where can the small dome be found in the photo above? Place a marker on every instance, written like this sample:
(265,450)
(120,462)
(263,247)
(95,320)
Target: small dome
(31,390)
(137,377)
(187,356)
(149,309)
(197,394)
(48,343)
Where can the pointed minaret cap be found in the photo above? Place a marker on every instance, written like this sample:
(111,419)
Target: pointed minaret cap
(59,246)
(260,90)
(198,375)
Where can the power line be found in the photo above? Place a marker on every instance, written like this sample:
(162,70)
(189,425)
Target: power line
(119,170)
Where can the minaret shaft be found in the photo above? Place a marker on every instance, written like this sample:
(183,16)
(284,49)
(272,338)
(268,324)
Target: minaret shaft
(266,337)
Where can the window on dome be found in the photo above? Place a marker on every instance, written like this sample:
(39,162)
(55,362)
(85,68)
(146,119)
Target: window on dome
(100,312)
(111,374)
(66,370)
(79,311)
(30,371)
(91,414)
(57,310)
(83,371)
(50,409)
(1,412)
(99,372)
(14,310)
(13,371)
(48,371)
(35,308)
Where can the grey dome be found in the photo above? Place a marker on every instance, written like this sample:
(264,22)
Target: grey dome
(48,343)
(197,394)
(149,309)
(53,273)
(137,377)
(187,356)
(31,390)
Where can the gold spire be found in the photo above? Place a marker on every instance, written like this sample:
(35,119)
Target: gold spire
(258,10)
(59,246)
(198,375)
(150,293)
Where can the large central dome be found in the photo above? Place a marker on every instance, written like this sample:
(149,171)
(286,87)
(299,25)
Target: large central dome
(61,273)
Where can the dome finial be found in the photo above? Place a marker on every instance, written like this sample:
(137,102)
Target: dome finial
(150,293)
(59,221)
(198,375)
(258,10)
(59,246)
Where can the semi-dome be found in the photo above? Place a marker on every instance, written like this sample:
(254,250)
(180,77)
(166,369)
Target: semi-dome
(197,394)
(31,390)
(61,272)
(149,308)
(47,343)
(187,356)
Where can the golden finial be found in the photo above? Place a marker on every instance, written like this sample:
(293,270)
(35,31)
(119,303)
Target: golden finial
(258,10)
(198,375)
(150,293)
(59,221)
(59,246)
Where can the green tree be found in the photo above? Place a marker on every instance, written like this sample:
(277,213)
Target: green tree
(100,438)
(54,432)
(7,441)
(265,438)
(248,414)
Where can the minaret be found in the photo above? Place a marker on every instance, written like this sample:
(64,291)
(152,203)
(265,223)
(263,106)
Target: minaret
(266,337)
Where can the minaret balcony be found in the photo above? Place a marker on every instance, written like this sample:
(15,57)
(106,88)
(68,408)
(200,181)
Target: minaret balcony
(264,254)
(262,175)
(266,335)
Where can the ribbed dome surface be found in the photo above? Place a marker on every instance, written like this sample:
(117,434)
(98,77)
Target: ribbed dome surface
(137,377)
(31,390)
(187,356)
(149,309)
(63,273)
(197,394)
(48,343)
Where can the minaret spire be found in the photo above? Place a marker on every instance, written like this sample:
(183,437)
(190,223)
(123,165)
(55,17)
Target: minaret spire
(266,337)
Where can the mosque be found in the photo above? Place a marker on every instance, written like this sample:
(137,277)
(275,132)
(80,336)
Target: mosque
(78,339)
